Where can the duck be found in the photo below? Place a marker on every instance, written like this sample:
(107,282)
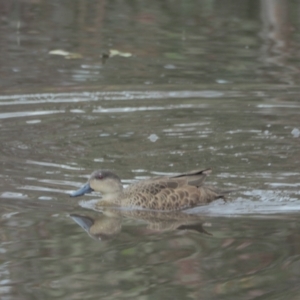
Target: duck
(160,193)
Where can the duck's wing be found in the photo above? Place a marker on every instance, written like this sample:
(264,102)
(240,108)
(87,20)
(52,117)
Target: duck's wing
(192,178)
(155,185)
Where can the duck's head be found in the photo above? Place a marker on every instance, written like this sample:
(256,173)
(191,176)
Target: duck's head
(103,181)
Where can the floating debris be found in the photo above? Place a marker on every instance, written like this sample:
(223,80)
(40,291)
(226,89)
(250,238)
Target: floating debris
(66,54)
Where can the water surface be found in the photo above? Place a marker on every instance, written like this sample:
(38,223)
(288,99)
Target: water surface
(207,85)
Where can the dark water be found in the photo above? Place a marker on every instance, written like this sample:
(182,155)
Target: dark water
(208,84)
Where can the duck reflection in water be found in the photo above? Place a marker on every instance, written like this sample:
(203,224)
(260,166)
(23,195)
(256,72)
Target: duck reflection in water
(108,224)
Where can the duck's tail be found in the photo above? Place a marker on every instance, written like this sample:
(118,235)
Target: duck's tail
(213,193)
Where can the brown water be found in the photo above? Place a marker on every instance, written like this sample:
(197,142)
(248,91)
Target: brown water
(209,84)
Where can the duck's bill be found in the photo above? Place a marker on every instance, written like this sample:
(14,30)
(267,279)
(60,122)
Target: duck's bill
(84,190)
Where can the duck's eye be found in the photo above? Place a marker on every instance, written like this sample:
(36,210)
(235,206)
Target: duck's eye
(99,176)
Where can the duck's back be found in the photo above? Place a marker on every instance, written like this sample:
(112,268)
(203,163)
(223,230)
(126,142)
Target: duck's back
(171,192)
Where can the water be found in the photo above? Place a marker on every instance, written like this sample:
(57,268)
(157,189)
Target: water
(207,85)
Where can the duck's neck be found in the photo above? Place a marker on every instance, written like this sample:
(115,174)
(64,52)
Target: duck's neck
(113,197)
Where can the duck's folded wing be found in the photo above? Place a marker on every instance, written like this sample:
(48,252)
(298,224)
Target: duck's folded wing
(193,178)
(155,185)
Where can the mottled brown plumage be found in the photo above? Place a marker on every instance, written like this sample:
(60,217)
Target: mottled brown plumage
(166,193)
